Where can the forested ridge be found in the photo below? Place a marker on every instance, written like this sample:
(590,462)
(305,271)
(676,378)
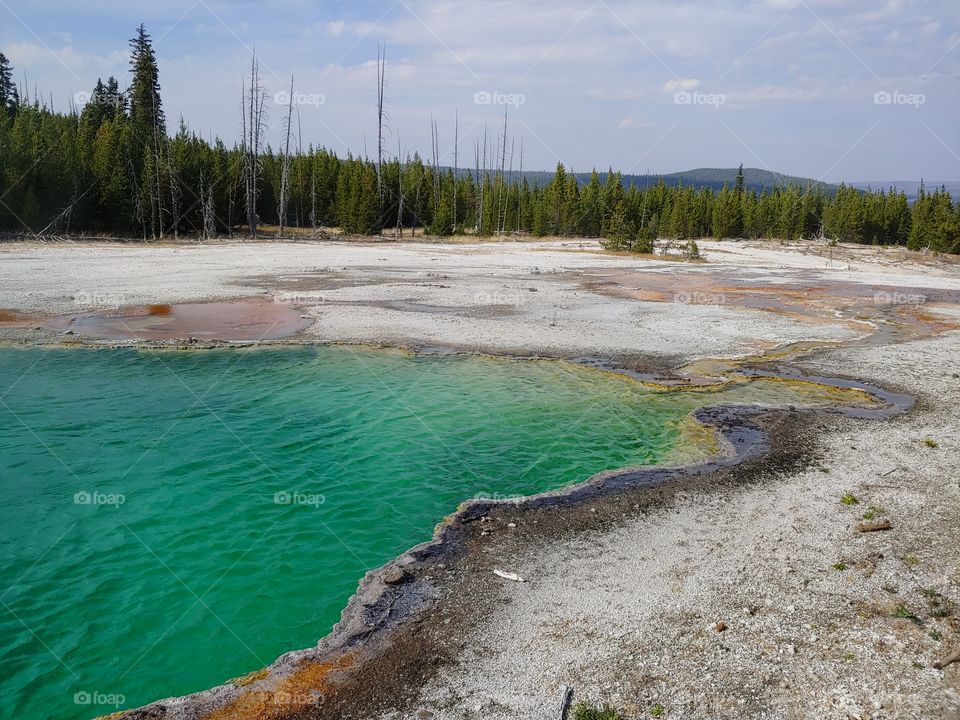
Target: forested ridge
(113,167)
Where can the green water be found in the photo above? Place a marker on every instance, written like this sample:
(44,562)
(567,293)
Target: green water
(170,520)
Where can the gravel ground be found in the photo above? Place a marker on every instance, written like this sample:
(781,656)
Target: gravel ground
(517,298)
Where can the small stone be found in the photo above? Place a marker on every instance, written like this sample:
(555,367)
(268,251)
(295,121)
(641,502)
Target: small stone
(394,575)
(511,524)
(720,626)
(423,714)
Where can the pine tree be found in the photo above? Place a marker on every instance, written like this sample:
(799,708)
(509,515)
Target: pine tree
(9,97)
(620,233)
(146,109)
(442,224)
(591,207)
(725,212)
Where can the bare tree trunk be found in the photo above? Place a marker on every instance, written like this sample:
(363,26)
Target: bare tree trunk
(209,217)
(456,131)
(435,152)
(285,170)
(381,72)
(253,136)
(503,162)
(157,191)
(484,178)
(174,190)
(399,233)
(520,189)
(506,208)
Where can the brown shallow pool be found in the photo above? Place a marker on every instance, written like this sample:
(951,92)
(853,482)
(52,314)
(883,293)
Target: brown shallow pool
(242,320)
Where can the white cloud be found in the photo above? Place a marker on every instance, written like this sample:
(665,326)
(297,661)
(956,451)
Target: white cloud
(678,84)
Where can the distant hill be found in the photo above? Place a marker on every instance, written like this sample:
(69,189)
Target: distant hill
(754,179)
(910,187)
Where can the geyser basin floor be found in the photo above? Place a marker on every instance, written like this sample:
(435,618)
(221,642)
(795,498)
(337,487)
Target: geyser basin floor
(172,520)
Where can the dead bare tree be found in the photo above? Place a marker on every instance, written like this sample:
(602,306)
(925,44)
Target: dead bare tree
(253,113)
(506,207)
(483,181)
(503,162)
(381,72)
(435,154)
(520,194)
(456,169)
(174,186)
(399,233)
(285,167)
(156,190)
(209,216)
(313,177)
(64,216)
(476,183)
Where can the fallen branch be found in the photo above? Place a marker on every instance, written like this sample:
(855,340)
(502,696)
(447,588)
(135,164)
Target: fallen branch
(866,527)
(951,658)
(565,701)
(508,576)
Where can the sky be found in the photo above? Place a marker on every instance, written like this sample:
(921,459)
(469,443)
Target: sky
(854,90)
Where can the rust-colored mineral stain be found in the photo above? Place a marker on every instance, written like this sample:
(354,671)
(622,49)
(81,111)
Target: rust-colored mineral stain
(813,301)
(15,318)
(307,686)
(238,321)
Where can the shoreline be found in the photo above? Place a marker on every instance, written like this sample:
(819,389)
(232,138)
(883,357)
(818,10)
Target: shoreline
(397,594)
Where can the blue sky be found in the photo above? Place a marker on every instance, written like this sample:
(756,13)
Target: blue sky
(832,89)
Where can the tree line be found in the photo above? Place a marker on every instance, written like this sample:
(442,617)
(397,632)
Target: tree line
(112,167)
